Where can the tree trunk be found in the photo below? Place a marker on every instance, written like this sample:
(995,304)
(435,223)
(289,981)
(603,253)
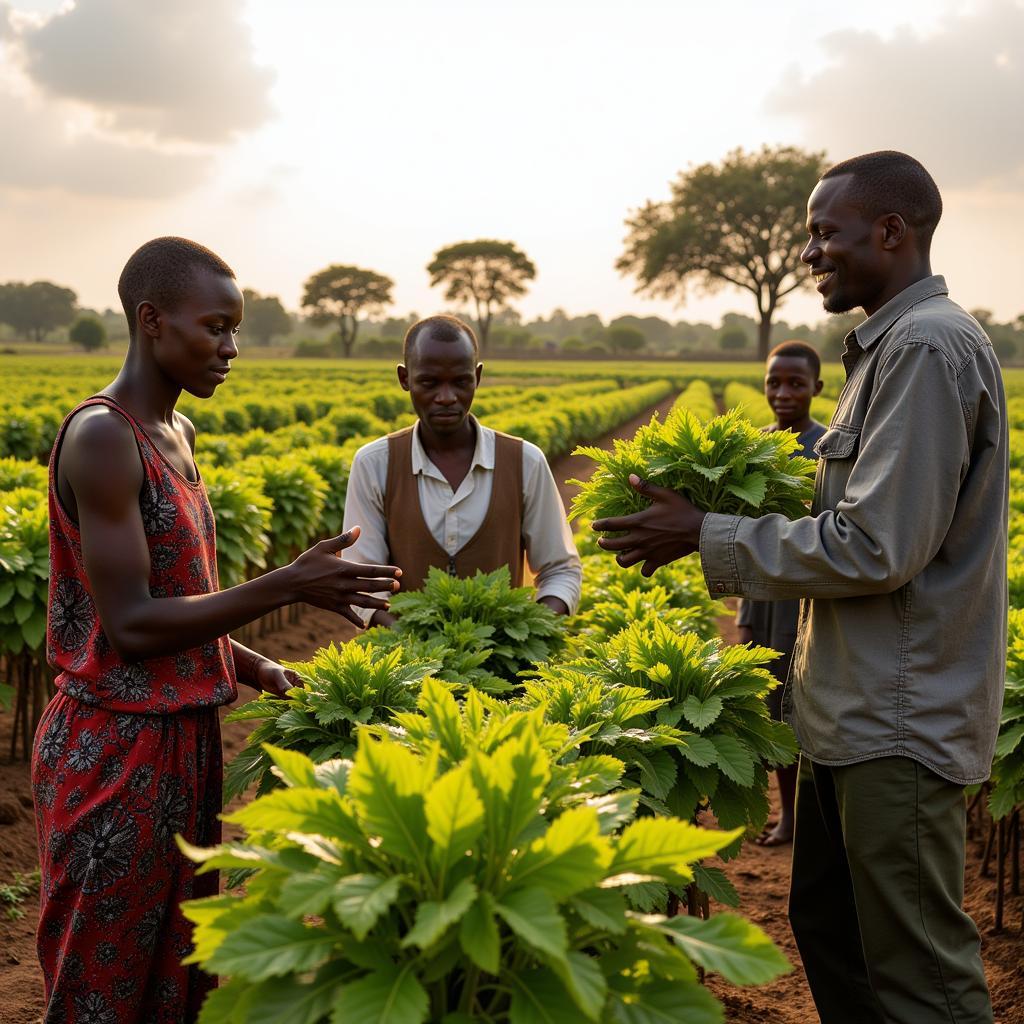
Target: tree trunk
(764,335)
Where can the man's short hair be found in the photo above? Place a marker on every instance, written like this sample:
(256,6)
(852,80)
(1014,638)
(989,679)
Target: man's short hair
(443,327)
(161,272)
(799,350)
(892,182)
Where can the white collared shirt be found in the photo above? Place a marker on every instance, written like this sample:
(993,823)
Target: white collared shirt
(453,517)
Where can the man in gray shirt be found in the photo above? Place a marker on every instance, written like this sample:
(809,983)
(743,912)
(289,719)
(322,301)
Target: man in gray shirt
(897,678)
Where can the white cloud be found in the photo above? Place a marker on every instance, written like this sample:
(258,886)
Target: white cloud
(953,98)
(182,70)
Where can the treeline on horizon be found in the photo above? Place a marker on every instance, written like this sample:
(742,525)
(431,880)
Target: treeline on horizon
(736,223)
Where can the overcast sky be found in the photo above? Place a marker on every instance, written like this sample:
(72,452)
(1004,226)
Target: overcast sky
(287,136)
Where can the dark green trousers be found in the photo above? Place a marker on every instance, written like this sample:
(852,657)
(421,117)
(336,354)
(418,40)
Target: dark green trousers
(876,896)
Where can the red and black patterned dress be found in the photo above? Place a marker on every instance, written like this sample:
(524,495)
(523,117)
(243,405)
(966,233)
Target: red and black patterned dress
(127,754)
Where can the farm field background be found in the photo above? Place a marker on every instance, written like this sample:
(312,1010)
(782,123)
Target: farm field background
(274,448)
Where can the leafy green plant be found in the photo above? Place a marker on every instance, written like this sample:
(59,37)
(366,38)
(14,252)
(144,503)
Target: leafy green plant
(16,473)
(16,891)
(478,881)
(481,624)
(1008,766)
(707,744)
(24,573)
(297,493)
(330,462)
(242,513)
(698,398)
(342,688)
(725,465)
(679,587)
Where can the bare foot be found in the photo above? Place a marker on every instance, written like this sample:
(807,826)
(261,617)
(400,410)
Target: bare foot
(781,835)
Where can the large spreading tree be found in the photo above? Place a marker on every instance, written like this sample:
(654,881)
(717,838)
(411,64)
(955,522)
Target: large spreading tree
(740,222)
(486,273)
(35,309)
(265,317)
(341,293)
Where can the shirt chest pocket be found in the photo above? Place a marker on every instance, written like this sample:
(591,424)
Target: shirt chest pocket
(837,452)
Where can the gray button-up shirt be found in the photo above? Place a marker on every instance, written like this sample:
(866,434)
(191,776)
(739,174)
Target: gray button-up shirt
(902,646)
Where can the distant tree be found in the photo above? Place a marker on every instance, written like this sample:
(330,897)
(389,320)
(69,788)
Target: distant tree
(36,309)
(88,333)
(341,293)
(624,339)
(740,222)
(732,339)
(486,272)
(265,317)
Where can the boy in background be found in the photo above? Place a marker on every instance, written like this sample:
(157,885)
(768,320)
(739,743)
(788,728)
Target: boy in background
(792,379)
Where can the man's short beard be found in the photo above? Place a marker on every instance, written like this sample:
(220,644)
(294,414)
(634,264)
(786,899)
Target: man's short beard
(838,304)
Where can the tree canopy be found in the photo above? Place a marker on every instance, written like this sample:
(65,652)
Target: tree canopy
(36,309)
(265,317)
(486,273)
(740,222)
(88,333)
(342,293)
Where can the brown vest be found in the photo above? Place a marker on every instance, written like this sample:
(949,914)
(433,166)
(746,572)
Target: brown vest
(499,541)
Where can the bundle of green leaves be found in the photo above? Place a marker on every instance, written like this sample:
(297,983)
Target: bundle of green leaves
(482,629)
(725,465)
(342,688)
(461,873)
(1008,766)
(707,743)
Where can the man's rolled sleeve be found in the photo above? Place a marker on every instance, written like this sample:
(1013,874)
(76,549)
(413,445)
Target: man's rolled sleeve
(718,555)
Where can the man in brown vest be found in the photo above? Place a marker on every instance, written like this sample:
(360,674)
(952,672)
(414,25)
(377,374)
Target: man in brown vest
(452,493)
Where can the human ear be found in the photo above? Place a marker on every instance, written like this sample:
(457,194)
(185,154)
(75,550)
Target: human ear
(894,231)
(818,386)
(148,318)
(479,371)
(403,376)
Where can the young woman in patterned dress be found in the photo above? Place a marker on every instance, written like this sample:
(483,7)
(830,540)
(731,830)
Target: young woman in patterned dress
(127,754)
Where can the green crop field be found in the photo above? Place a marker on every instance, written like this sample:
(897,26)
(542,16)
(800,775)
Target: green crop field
(394,858)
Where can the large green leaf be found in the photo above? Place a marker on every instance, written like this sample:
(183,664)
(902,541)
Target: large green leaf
(293,768)
(735,760)
(666,1003)
(700,714)
(359,900)
(738,950)
(319,811)
(271,945)
(570,857)
(391,996)
(533,915)
(603,909)
(290,1001)
(433,919)
(665,847)
(539,997)
(478,934)
(582,976)
(455,816)
(387,784)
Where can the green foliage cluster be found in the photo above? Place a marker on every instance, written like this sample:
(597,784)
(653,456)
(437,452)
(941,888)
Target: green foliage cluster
(242,513)
(297,493)
(342,688)
(482,630)
(24,574)
(724,465)
(699,399)
(461,871)
(1008,767)
(558,427)
(686,715)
